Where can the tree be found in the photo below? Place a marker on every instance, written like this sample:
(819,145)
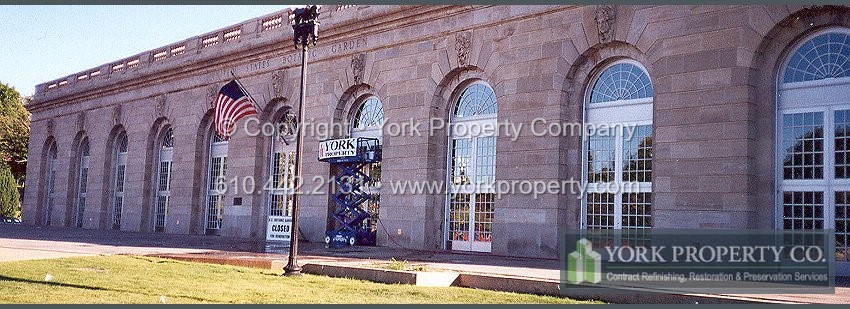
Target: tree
(9,199)
(14,131)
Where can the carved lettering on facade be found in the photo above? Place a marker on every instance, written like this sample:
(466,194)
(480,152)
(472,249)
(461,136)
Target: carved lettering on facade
(348,45)
(258,65)
(358,65)
(291,58)
(463,41)
(606,15)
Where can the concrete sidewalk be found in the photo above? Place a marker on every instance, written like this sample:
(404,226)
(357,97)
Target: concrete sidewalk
(488,271)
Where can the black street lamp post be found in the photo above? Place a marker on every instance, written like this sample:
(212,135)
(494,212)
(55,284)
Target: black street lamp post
(305,26)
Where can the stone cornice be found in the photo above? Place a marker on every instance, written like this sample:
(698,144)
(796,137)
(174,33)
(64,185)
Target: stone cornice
(142,70)
(337,29)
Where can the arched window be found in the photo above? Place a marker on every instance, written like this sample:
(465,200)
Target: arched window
(215,184)
(368,122)
(282,171)
(83,175)
(163,179)
(618,153)
(50,173)
(120,169)
(813,138)
(472,170)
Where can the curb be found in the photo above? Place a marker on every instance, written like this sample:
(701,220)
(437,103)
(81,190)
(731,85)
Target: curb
(493,282)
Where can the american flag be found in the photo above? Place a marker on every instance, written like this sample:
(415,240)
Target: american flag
(232,104)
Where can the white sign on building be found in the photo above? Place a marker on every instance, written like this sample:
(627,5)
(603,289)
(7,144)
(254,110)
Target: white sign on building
(337,148)
(278,228)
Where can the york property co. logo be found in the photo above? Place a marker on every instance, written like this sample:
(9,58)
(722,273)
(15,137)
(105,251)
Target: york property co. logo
(584,265)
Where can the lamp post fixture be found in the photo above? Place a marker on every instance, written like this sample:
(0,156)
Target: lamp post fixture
(305,26)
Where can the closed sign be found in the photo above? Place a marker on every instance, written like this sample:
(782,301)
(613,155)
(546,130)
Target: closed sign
(337,148)
(279,228)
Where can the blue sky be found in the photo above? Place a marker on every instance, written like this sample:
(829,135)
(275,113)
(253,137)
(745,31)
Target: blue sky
(43,43)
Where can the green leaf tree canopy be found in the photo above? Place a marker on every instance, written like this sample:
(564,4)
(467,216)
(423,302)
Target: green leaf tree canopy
(14,131)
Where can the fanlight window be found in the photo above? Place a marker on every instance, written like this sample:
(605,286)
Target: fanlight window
(218,138)
(122,144)
(477,99)
(824,56)
(168,139)
(287,127)
(369,115)
(622,81)
(84,147)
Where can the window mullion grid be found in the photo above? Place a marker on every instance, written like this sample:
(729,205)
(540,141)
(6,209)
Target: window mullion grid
(829,168)
(272,184)
(585,149)
(285,160)
(158,195)
(81,189)
(213,210)
(473,176)
(618,180)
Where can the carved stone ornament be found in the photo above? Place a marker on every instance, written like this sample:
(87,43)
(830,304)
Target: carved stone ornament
(278,78)
(51,127)
(463,41)
(116,115)
(212,91)
(81,121)
(606,15)
(160,105)
(358,66)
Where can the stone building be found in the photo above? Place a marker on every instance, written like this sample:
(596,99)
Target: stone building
(737,119)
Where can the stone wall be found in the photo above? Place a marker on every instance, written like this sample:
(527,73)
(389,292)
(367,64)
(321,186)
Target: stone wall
(711,66)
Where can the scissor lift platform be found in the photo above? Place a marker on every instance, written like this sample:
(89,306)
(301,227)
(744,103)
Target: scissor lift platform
(350,156)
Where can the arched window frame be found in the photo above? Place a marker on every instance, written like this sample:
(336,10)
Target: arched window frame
(282,157)
(120,150)
(813,202)
(216,183)
(636,194)
(52,157)
(376,119)
(83,163)
(164,174)
(470,202)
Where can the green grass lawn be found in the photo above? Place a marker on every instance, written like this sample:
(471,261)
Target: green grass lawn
(135,279)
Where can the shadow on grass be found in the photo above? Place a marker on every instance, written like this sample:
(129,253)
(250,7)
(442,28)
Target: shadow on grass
(94,288)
